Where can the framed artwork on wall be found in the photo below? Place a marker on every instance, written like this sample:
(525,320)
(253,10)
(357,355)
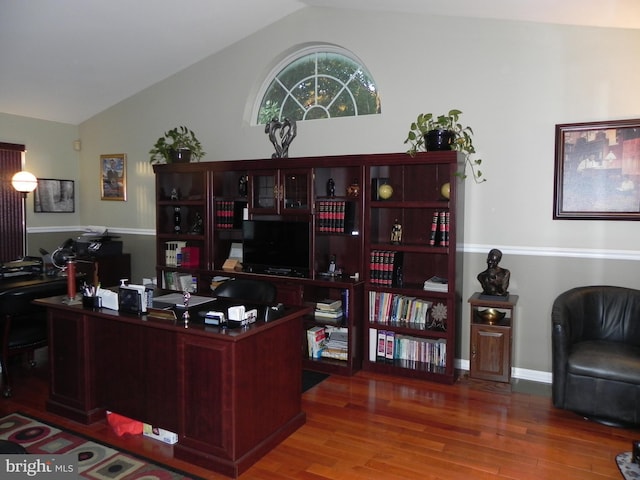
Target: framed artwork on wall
(54,196)
(113,177)
(597,171)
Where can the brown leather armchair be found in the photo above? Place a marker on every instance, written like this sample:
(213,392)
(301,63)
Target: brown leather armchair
(23,325)
(596,353)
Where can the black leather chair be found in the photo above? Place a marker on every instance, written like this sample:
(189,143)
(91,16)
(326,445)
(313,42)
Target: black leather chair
(247,289)
(596,353)
(23,325)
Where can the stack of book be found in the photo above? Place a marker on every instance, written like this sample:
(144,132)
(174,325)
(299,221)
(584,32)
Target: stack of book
(329,311)
(436,284)
(336,345)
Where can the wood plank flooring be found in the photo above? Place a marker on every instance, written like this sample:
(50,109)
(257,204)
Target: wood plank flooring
(378,427)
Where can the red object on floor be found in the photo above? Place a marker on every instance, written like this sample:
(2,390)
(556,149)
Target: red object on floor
(122,425)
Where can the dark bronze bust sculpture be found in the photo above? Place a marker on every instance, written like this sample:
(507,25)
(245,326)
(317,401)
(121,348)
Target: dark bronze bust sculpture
(495,279)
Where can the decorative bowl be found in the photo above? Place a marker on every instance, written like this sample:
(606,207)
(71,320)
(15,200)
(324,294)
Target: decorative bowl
(490,316)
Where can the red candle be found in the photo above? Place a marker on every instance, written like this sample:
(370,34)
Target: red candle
(71,279)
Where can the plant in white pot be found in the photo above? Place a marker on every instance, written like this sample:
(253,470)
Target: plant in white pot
(444,132)
(177,145)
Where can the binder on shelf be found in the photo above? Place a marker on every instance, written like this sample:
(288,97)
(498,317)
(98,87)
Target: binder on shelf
(173,253)
(190,257)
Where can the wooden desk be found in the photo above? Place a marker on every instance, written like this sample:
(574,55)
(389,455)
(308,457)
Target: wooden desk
(230,394)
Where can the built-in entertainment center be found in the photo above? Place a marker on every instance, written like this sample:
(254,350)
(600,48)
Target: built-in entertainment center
(276,247)
(361,231)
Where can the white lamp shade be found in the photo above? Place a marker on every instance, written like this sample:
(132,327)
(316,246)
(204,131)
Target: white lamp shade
(24,182)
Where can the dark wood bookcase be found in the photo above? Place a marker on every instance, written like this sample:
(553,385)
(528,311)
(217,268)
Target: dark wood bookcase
(337,196)
(411,331)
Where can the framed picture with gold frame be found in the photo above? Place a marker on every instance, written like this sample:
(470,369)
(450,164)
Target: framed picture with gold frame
(113,177)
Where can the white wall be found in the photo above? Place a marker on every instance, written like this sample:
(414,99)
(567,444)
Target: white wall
(514,81)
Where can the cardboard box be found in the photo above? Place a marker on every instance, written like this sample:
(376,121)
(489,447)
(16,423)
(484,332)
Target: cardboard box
(159,434)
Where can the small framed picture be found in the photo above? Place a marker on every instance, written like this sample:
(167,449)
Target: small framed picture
(54,196)
(597,171)
(113,177)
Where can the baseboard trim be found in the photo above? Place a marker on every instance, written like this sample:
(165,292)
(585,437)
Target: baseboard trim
(519,373)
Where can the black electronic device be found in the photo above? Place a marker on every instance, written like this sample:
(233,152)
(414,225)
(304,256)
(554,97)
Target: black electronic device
(24,266)
(276,247)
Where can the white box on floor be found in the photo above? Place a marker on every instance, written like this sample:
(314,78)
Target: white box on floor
(159,434)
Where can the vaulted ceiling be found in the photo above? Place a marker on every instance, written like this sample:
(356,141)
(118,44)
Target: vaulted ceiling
(67,60)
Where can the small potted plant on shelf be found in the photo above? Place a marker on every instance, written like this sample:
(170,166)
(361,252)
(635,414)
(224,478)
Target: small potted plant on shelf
(429,132)
(178,145)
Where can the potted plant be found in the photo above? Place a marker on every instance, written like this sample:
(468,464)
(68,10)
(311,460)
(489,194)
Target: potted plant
(177,145)
(444,132)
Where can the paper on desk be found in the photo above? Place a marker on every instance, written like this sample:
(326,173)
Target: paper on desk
(109,298)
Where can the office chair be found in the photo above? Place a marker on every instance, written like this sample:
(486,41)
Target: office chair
(23,325)
(247,289)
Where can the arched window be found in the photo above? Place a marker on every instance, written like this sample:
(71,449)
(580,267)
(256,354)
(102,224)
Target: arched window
(318,82)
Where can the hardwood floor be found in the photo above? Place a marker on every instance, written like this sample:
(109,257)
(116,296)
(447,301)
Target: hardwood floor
(378,427)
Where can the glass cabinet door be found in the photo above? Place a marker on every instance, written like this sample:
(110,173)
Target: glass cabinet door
(295,190)
(280,191)
(264,192)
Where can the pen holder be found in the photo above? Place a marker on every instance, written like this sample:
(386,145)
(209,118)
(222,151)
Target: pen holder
(91,302)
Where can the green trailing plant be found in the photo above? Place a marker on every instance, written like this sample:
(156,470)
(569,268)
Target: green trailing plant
(462,140)
(177,138)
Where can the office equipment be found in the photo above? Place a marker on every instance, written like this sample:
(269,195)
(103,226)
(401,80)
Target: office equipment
(23,267)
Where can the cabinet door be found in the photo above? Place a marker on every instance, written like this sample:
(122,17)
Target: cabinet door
(280,191)
(205,370)
(295,188)
(71,382)
(137,372)
(265,192)
(490,352)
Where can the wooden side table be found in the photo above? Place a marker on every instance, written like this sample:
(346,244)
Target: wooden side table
(492,324)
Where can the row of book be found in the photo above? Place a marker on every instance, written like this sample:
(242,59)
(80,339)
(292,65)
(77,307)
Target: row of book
(439,234)
(385,268)
(183,282)
(178,254)
(328,342)
(335,216)
(388,346)
(229,214)
(387,308)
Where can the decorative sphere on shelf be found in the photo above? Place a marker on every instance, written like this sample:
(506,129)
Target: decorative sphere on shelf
(385,191)
(445,190)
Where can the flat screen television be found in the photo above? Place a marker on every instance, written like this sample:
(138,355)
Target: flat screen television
(276,247)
